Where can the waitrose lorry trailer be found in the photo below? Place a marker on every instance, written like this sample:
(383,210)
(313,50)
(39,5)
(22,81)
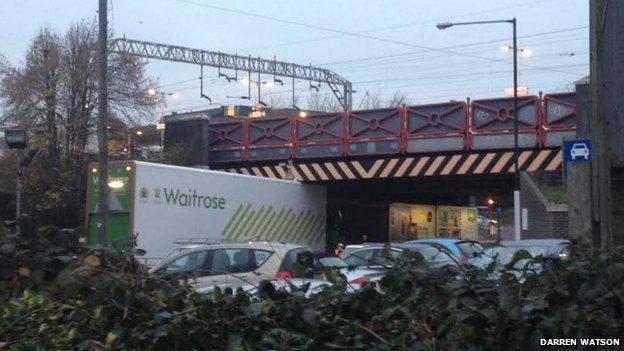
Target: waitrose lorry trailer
(161,205)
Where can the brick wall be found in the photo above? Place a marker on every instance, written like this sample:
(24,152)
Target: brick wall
(545,220)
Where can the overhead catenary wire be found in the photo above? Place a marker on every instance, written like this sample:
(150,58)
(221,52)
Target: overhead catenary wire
(340,31)
(366,65)
(464,71)
(396,26)
(453,47)
(421,98)
(476,49)
(404,70)
(420,64)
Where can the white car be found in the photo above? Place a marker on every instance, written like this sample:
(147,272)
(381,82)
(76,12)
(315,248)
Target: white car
(230,264)
(352,274)
(579,150)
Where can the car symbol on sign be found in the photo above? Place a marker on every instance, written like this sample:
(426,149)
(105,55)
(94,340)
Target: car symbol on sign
(579,150)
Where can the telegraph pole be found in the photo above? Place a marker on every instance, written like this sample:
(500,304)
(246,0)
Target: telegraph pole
(102,120)
(516,193)
(18,191)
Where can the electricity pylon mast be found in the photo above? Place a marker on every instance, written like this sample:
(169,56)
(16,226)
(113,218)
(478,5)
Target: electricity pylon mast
(341,87)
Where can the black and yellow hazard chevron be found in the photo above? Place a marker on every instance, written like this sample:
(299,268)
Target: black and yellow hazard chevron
(453,164)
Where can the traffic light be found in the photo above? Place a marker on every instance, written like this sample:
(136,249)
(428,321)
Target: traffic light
(489,201)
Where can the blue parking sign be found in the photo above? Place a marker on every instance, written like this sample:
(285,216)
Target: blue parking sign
(577,150)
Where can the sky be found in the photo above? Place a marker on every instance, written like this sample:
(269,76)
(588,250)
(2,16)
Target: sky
(382,47)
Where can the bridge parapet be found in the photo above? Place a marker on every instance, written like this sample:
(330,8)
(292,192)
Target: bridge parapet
(559,118)
(462,127)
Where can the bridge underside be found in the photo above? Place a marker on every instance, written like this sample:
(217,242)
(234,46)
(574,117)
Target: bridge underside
(362,207)
(460,164)
(360,191)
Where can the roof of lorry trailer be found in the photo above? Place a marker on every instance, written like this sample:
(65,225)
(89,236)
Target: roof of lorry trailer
(218,173)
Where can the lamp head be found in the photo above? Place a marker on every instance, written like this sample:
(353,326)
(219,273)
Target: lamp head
(444,25)
(15,138)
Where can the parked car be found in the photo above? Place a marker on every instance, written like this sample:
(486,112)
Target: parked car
(303,268)
(500,253)
(230,264)
(373,256)
(352,247)
(465,251)
(504,255)
(352,274)
(548,248)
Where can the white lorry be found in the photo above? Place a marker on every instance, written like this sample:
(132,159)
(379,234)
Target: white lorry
(161,205)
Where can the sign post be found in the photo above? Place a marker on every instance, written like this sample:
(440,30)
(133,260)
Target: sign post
(575,151)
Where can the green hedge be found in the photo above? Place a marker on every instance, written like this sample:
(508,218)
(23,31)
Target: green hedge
(102,301)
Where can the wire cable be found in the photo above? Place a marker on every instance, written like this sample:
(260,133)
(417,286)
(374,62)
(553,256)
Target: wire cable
(398,26)
(361,35)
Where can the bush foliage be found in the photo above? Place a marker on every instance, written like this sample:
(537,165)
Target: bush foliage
(59,298)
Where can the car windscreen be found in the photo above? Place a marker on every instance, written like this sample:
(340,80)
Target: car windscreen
(297,258)
(432,254)
(534,250)
(561,251)
(470,248)
(330,261)
(359,258)
(503,254)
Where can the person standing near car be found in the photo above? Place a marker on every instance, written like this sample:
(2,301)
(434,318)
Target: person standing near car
(339,250)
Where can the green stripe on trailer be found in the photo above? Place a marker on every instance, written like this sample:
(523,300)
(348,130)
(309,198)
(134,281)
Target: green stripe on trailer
(296,233)
(262,229)
(273,222)
(248,218)
(233,219)
(280,224)
(244,231)
(291,218)
(308,231)
(248,232)
(319,231)
(254,230)
(288,234)
(270,228)
(238,222)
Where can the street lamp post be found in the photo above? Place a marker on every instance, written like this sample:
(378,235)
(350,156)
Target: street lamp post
(18,140)
(161,123)
(513,22)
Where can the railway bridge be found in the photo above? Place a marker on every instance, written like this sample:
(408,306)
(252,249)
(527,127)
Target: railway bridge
(453,153)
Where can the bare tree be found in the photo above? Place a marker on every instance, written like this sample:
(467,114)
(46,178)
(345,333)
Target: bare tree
(323,102)
(397,99)
(54,96)
(371,100)
(30,93)
(276,101)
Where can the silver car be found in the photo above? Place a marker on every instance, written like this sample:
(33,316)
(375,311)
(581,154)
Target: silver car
(373,255)
(230,264)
